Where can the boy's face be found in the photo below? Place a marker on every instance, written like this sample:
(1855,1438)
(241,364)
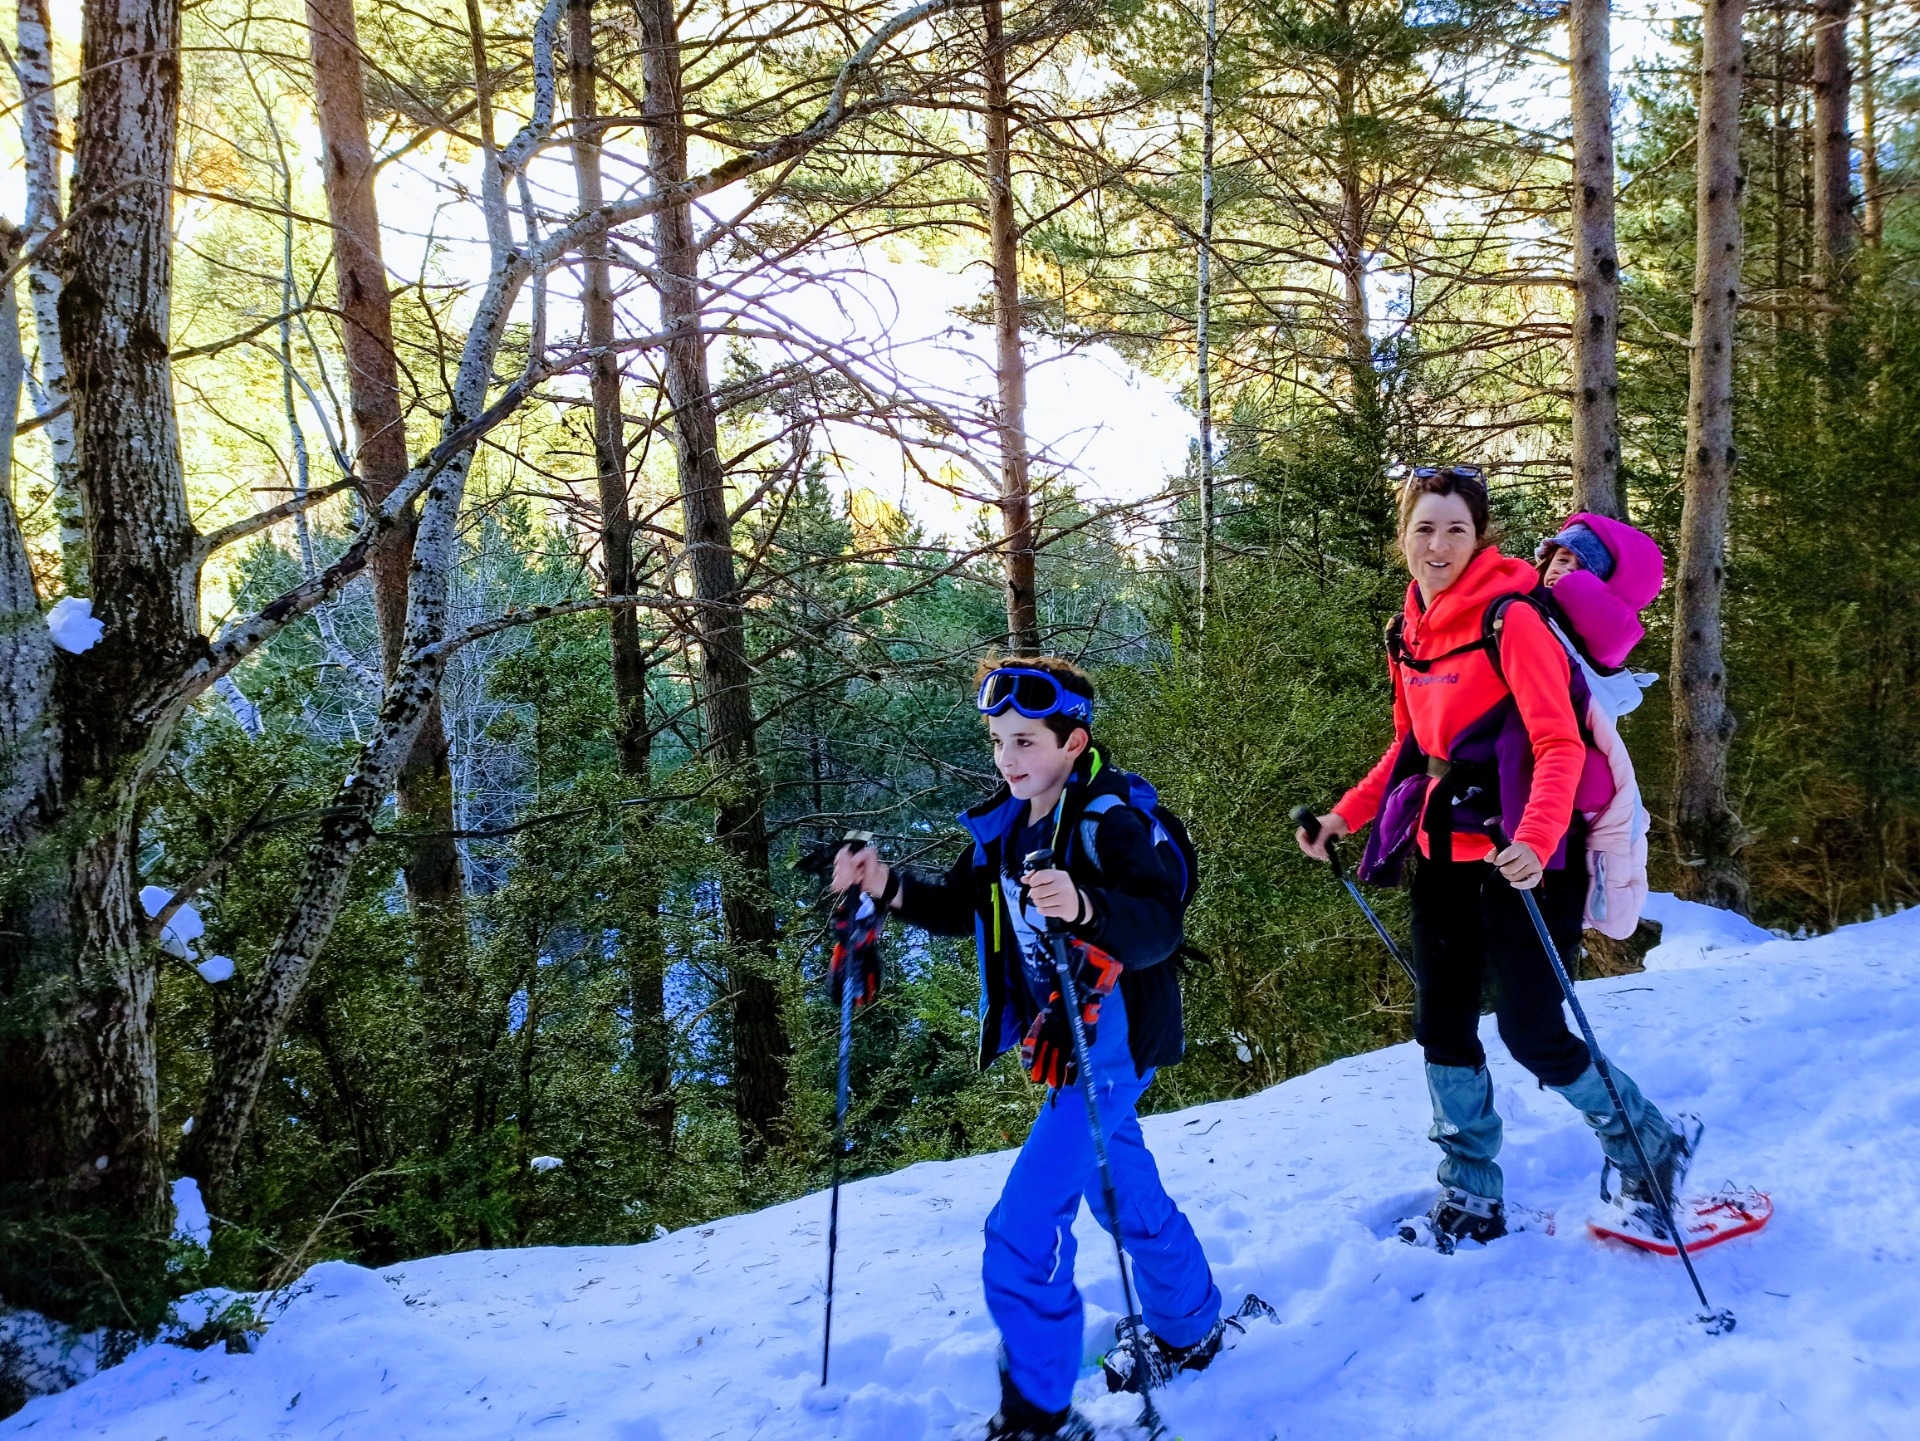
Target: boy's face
(1562,562)
(1031,759)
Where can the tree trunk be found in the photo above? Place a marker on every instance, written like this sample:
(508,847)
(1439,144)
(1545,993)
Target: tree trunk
(1832,142)
(79,1101)
(1706,831)
(1203,304)
(30,778)
(760,1046)
(1871,212)
(425,785)
(1355,320)
(39,127)
(645,968)
(1596,265)
(609,437)
(1003,239)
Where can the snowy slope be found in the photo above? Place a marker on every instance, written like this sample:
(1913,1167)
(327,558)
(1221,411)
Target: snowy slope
(1803,1056)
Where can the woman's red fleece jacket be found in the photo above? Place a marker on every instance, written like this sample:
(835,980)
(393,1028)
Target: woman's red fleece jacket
(1444,701)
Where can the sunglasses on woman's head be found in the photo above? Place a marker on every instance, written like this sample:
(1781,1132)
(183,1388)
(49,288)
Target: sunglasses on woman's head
(1429,472)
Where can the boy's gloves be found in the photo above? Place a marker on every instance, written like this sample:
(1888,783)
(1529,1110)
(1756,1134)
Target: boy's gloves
(1047,1052)
(856,950)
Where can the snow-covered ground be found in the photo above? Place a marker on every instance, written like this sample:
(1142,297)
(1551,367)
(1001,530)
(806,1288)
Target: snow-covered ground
(1804,1056)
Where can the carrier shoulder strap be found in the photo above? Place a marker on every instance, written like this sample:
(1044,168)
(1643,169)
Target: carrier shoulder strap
(1495,617)
(1399,652)
(1542,604)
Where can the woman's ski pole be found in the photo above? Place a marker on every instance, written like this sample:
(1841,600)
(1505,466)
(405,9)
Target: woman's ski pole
(1716,1322)
(848,901)
(1304,817)
(1042,860)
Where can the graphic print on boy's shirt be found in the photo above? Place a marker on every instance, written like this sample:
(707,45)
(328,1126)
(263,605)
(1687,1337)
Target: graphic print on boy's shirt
(1029,926)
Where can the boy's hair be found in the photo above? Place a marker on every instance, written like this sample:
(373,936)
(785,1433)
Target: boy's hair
(1070,676)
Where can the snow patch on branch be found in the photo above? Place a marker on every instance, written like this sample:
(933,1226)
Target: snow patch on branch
(181,931)
(74,628)
(190,1220)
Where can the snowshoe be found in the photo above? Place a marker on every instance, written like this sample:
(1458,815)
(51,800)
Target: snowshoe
(1455,1216)
(1164,1362)
(1018,1419)
(1704,1220)
(1638,1199)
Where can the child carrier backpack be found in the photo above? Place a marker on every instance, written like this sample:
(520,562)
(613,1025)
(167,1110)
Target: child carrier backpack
(1617,831)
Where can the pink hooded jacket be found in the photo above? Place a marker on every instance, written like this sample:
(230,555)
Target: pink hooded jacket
(1606,613)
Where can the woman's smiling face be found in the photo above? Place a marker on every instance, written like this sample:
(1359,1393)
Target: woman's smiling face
(1439,542)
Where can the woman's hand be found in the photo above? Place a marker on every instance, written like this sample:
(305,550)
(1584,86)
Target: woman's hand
(1053,894)
(1332,828)
(862,868)
(1520,865)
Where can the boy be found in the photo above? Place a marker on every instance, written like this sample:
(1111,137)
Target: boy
(1119,894)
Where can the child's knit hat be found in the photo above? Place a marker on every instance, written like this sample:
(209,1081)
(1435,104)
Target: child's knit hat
(1588,547)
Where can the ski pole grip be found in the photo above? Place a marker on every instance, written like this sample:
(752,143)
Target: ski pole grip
(1303,817)
(1497,830)
(1040,860)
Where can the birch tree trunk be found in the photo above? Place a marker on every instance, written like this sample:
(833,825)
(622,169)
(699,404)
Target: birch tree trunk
(1706,831)
(425,786)
(30,778)
(1003,241)
(1596,265)
(39,127)
(644,964)
(760,1045)
(1832,141)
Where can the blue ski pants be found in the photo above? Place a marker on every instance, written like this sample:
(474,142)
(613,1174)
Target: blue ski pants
(1028,1267)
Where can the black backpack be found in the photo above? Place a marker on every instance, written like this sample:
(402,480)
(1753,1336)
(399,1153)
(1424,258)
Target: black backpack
(1170,838)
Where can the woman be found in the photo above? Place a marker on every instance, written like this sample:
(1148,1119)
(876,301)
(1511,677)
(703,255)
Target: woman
(1483,730)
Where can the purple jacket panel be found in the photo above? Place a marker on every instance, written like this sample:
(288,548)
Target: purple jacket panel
(1497,748)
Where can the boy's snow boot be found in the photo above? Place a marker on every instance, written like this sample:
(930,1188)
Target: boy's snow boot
(1018,1419)
(1456,1216)
(1636,1196)
(1164,1362)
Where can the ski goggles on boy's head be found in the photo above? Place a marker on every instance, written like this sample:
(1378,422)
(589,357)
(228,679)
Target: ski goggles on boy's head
(1034,693)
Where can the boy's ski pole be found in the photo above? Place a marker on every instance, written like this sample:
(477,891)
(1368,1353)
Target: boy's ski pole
(1716,1322)
(1304,817)
(1042,860)
(848,901)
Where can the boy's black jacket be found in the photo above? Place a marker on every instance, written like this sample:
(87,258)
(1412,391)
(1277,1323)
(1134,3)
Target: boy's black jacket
(1136,907)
